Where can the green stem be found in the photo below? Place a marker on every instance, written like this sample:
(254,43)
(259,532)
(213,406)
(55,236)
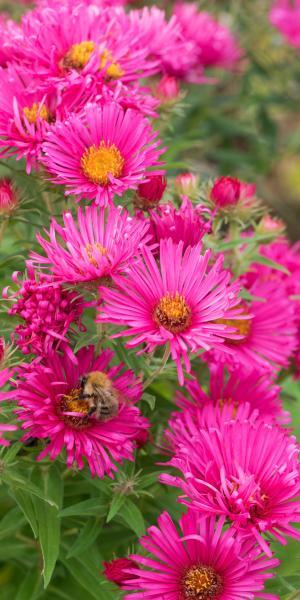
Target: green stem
(294,596)
(2,229)
(160,369)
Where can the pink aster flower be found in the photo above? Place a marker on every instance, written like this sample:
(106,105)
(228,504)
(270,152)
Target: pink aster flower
(100,244)
(47,312)
(104,46)
(28,111)
(285,16)
(106,152)
(214,44)
(51,408)
(10,40)
(199,561)
(150,193)
(177,303)
(232,390)
(246,472)
(267,330)
(185,224)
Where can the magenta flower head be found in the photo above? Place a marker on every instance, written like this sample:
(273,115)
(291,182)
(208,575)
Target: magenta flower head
(247,472)
(198,562)
(232,390)
(267,329)
(213,44)
(104,152)
(285,16)
(47,312)
(176,304)
(99,245)
(186,224)
(53,407)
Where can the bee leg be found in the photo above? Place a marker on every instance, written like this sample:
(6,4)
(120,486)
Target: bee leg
(91,411)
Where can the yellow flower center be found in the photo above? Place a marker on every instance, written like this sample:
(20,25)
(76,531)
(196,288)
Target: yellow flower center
(173,313)
(78,55)
(90,252)
(35,111)
(243,326)
(113,70)
(201,583)
(98,163)
(71,403)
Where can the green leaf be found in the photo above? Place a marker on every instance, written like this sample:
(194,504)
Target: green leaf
(29,586)
(116,504)
(270,263)
(133,517)
(87,576)
(16,481)
(48,520)
(25,502)
(91,507)
(86,538)
(12,521)
(150,399)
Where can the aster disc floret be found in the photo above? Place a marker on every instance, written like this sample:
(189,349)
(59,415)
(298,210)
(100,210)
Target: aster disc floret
(47,311)
(176,303)
(247,472)
(98,245)
(51,408)
(104,152)
(198,562)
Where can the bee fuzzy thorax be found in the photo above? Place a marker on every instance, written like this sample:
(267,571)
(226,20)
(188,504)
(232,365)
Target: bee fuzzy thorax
(97,390)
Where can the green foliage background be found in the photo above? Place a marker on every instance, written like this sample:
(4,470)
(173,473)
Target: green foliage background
(56,525)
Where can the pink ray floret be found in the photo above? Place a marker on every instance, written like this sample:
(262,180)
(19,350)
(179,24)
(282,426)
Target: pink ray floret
(198,561)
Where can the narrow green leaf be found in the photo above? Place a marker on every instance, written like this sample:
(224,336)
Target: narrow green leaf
(16,481)
(48,520)
(12,521)
(91,507)
(24,500)
(150,399)
(116,503)
(86,538)
(91,580)
(270,263)
(133,517)
(30,586)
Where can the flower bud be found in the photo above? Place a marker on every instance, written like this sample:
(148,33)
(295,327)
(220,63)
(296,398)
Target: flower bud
(115,570)
(8,198)
(226,191)
(151,192)
(142,438)
(168,89)
(186,184)
(270,224)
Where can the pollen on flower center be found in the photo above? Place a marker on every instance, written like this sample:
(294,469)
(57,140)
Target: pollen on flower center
(99,162)
(78,55)
(113,70)
(91,249)
(71,403)
(35,111)
(201,583)
(173,313)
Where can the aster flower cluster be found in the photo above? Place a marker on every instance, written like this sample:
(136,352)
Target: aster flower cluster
(138,279)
